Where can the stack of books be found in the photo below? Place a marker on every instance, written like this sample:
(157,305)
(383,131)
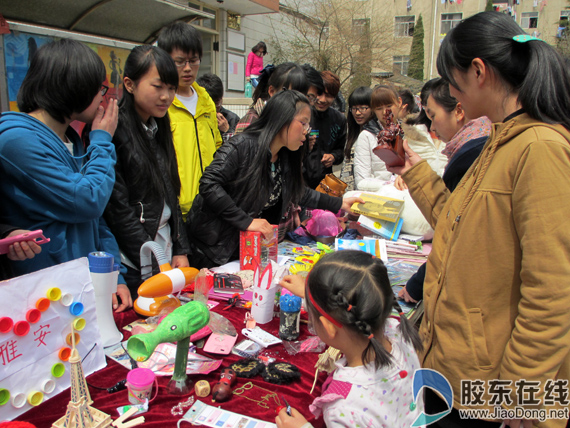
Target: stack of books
(380,215)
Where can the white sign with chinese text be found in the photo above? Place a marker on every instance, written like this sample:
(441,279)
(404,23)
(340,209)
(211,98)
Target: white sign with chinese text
(27,360)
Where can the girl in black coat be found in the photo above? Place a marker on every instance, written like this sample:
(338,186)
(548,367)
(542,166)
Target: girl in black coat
(144,203)
(252,180)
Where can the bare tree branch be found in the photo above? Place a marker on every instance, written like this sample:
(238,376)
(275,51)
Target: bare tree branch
(351,39)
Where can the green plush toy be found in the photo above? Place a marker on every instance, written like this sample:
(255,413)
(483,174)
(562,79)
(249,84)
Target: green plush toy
(178,326)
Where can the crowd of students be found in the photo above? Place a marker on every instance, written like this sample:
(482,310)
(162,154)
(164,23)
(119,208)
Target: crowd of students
(169,164)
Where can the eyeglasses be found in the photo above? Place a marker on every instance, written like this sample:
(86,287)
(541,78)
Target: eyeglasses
(360,109)
(104,89)
(306,126)
(191,62)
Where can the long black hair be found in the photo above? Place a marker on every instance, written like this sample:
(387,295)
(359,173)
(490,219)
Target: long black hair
(287,75)
(359,97)
(409,101)
(421,118)
(64,78)
(441,95)
(533,70)
(145,168)
(278,114)
(354,289)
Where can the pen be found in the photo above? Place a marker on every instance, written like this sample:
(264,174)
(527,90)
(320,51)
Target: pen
(288,409)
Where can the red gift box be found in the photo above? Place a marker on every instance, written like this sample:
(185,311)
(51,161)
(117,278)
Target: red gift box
(255,251)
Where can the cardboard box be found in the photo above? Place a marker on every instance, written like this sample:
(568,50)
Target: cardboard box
(255,251)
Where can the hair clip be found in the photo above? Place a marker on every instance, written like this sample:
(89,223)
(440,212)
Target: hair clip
(523,38)
(349,308)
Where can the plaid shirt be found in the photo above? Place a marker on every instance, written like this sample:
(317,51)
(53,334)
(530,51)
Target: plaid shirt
(251,116)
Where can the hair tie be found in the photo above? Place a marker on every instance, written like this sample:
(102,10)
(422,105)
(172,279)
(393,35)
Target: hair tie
(349,308)
(401,314)
(268,70)
(371,336)
(523,38)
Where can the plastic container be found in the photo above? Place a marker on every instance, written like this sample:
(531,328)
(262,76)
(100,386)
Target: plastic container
(21,328)
(64,353)
(248,90)
(19,400)
(35,398)
(57,370)
(54,294)
(48,386)
(33,315)
(289,317)
(4,396)
(6,324)
(139,385)
(104,274)
(43,304)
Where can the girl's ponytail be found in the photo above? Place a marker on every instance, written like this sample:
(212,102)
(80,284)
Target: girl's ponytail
(545,91)
(408,330)
(529,67)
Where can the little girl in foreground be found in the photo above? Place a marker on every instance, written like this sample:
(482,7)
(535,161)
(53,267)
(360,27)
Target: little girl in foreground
(351,306)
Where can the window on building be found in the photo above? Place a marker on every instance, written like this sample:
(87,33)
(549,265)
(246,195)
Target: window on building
(448,21)
(562,31)
(209,23)
(404,26)
(360,28)
(401,64)
(529,20)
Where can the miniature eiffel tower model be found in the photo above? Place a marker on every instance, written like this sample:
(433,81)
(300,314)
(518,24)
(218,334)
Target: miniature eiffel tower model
(79,413)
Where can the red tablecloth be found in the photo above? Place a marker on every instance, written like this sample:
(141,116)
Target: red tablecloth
(159,414)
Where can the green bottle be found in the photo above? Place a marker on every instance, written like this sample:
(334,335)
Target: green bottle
(248,89)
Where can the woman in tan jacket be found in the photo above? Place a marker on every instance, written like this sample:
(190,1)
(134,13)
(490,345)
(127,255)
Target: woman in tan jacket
(497,288)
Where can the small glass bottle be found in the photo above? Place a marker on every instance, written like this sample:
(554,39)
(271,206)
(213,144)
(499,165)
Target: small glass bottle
(289,317)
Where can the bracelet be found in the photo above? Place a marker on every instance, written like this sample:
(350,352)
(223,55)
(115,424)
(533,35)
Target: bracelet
(177,410)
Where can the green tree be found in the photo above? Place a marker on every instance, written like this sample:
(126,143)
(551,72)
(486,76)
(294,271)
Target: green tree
(563,42)
(416,65)
(489,6)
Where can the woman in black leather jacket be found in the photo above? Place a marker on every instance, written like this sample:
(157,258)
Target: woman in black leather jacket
(252,180)
(144,203)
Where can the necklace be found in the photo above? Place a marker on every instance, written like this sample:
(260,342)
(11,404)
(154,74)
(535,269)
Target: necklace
(264,399)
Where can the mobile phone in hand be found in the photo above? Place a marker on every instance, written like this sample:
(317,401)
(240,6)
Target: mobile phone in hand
(36,236)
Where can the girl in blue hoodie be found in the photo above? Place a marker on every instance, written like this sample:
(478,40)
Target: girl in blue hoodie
(48,181)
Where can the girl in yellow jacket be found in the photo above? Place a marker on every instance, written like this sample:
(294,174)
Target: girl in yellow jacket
(497,287)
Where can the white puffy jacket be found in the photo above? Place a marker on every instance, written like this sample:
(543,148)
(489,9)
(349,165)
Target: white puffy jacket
(421,142)
(370,171)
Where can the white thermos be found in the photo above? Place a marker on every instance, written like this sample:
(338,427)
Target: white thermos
(104,274)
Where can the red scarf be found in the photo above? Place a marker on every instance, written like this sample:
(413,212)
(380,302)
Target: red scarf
(476,128)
